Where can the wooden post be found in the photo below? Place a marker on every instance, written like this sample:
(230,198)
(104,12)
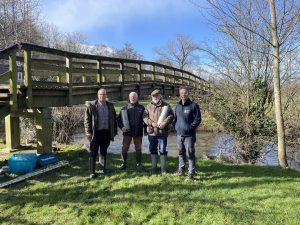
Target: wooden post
(122,80)
(58,78)
(153,72)
(140,72)
(12,132)
(174,76)
(28,77)
(69,80)
(44,130)
(100,77)
(13,81)
(122,74)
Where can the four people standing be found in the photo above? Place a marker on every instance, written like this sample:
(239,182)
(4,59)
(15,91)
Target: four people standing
(101,126)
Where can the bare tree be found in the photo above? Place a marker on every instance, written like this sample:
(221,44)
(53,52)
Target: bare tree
(276,24)
(19,22)
(180,52)
(127,52)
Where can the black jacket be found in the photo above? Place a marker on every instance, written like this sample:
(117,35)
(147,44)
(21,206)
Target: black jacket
(187,118)
(135,116)
(91,119)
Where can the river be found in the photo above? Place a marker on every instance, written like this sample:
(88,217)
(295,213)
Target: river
(207,144)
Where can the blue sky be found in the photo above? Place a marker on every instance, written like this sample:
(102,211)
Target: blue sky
(146,24)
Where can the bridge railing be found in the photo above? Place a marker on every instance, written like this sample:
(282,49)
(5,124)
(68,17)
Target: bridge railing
(47,68)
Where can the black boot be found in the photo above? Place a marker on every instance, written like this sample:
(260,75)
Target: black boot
(92,161)
(124,161)
(138,156)
(105,169)
(101,161)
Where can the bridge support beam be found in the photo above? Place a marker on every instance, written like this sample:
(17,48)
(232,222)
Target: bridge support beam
(44,130)
(12,132)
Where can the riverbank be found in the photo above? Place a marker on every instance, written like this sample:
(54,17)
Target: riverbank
(222,194)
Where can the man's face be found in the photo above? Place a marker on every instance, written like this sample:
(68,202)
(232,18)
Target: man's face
(183,94)
(133,98)
(155,98)
(102,95)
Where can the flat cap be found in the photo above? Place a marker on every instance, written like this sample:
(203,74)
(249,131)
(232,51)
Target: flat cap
(155,92)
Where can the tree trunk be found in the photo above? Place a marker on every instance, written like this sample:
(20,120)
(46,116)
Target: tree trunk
(277,93)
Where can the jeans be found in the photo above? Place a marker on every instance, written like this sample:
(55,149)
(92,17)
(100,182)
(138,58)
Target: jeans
(186,144)
(158,142)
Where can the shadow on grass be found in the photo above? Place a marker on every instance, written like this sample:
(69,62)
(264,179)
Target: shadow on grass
(71,184)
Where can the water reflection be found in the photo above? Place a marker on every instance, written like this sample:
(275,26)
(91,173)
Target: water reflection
(207,143)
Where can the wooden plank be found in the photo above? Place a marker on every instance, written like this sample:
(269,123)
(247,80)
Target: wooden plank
(83,70)
(49,85)
(111,71)
(13,81)
(40,73)
(100,77)
(28,78)
(5,77)
(69,79)
(48,67)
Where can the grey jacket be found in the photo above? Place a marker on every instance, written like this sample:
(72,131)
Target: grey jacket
(91,119)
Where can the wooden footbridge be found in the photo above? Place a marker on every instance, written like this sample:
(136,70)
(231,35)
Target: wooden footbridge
(35,78)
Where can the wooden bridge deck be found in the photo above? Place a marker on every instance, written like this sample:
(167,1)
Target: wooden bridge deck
(33,78)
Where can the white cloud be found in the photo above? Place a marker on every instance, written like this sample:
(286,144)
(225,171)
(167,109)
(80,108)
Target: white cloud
(73,15)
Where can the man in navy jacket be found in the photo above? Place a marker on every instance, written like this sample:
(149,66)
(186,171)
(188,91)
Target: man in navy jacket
(135,112)
(187,119)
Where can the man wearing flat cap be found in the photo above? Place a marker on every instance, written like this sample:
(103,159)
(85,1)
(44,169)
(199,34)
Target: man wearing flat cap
(157,116)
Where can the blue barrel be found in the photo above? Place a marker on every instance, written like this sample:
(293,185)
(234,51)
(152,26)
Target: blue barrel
(22,163)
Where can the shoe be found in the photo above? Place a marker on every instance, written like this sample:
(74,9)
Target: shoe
(123,166)
(139,166)
(124,160)
(191,176)
(106,171)
(92,176)
(179,173)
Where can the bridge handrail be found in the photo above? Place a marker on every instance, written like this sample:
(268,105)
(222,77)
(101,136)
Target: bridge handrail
(53,51)
(34,66)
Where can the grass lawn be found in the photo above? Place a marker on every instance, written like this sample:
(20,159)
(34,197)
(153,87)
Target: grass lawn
(222,194)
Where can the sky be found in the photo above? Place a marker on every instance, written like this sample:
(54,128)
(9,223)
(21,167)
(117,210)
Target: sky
(145,24)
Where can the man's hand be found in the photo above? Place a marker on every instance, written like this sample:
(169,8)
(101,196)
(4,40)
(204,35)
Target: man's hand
(88,136)
(154,124)
(124,130)
(162,126)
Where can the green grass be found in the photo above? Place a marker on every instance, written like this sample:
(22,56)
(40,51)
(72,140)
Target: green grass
(222,194)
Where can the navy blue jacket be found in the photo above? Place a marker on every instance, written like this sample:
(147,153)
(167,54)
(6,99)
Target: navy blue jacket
(135,114)
(187,118)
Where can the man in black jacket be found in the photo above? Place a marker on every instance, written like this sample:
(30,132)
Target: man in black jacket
(100,128)
(187,119)
(134,115)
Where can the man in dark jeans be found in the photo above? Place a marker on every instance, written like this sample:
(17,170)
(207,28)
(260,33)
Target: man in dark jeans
(134,112)
(187,119)
(100,128)
(158,130)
